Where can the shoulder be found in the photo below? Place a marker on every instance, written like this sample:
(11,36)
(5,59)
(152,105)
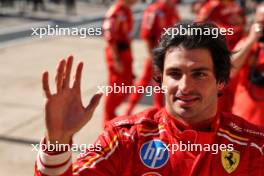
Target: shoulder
(127,130)
(154,9)
(115,10)
(207,9)
(213,4)
(136,126)
(209,6)
(239,126)
(145,117)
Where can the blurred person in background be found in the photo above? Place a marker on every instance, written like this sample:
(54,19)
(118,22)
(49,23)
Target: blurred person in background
(157,16)
(226,14)
(242,3)
(249,66)
(117,27)
(197,5)
(38,4)
(70,7)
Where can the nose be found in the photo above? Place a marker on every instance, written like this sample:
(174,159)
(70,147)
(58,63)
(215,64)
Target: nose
(185,84)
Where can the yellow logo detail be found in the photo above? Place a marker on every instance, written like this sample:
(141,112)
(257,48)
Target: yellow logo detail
(230,160)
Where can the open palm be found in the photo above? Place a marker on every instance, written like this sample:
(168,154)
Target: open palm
(64,112)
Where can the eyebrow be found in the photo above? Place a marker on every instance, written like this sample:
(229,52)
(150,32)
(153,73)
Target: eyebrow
(193,70)
(201,69)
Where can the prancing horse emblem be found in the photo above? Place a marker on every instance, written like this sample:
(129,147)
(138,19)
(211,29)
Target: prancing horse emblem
(230,160)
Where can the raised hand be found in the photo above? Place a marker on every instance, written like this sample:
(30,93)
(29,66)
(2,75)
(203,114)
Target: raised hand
(255,32)
(64,112)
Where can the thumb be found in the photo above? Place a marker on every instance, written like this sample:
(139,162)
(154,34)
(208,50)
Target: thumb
(89,110)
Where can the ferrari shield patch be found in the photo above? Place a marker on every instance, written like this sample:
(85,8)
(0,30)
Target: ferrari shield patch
(230,160)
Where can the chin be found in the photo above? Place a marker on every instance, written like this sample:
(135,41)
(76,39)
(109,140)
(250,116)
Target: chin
(183,112)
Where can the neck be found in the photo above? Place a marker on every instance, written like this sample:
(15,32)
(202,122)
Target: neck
(197,122)
(202,125)
(205,125)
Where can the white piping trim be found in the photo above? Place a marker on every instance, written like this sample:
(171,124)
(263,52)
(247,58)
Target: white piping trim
(152,134)
(230,139)
(252,144)
(97,161)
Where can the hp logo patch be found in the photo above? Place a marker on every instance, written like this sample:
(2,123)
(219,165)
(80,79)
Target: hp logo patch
(154,154)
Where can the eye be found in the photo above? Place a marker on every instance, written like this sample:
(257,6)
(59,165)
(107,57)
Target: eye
(175,74)
(199,75)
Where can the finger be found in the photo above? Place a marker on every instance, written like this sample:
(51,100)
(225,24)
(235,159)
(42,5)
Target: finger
(66,81)
(45,84)
(257,28)
(89,110)
(60,75)
(78,75)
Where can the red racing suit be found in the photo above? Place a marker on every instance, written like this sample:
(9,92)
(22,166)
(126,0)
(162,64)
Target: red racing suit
(249,98)
(146,144)
(156,17)
(117,28)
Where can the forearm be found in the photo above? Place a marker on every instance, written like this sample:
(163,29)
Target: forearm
(240,54)
(243,48)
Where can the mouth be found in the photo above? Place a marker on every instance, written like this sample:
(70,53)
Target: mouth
(186,101)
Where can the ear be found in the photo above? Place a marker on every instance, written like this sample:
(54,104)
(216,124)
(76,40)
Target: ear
(157,76)
(220,86)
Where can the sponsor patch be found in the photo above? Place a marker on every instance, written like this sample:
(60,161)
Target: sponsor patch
(154,154)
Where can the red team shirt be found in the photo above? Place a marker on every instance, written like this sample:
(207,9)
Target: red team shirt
(138,146)
(118,25)
(157,17)
(227,15)
(249,98)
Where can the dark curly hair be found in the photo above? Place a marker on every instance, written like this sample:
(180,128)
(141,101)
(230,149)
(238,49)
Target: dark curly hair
(216,45)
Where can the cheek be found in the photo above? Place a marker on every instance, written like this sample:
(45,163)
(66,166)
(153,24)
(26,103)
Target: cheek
(171,85)
(208,89)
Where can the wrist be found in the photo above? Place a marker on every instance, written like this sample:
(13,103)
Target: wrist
(58,140)
(55,148)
